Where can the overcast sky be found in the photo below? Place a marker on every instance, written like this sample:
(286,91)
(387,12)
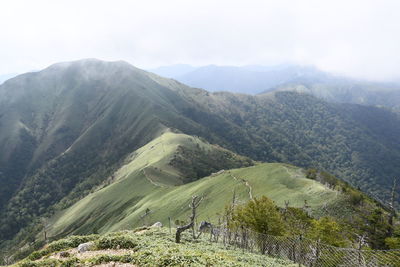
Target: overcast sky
(357,38)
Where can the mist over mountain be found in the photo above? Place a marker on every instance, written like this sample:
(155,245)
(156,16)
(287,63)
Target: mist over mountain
(248,79)
(285,77)
(173,71)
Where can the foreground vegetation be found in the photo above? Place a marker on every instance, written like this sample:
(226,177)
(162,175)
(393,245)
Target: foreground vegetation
(257,226)
(145,247)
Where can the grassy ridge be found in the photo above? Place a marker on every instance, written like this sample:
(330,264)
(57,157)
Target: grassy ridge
(138,187)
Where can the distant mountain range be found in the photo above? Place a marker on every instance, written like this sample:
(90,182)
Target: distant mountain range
(247,79)
(307,79)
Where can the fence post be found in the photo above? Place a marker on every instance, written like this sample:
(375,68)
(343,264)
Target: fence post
(300,250)
(317,251)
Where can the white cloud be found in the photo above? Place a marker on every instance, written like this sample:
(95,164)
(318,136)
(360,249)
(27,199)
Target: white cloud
(359,38)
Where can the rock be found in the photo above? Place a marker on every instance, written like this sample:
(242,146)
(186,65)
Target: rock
(157,224)
(85,247)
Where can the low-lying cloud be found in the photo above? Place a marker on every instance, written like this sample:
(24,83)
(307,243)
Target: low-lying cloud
(357,38)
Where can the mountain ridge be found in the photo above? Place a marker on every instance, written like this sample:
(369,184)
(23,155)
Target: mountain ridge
(64,131)
(286,77)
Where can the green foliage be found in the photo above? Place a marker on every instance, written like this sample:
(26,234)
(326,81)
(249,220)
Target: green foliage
(156,247)
(115,258)
(260,215)
(70,262)
(116,242)
(312,173)
(376,226)
(196,162)
(70,242)
(328,231)
(393,242)
(297,222)
(355,197)
(43,263)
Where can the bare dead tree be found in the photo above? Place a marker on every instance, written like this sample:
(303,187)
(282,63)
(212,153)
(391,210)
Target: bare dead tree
(145,216)
(306,207)
(193,205)
(285,210)
(45,224)
(287,202)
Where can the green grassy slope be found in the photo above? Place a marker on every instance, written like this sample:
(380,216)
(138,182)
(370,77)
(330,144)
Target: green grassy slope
(148,173)
(121,204)
(173,159)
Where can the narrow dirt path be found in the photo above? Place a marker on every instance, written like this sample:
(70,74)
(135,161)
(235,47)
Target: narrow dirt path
(293,175)
(150,180)
(245,182)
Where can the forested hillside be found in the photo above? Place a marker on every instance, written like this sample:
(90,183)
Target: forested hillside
(357,143)
(343,90)
(66,129)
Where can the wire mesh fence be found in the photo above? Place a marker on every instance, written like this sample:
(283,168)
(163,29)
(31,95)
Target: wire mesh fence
(305,252)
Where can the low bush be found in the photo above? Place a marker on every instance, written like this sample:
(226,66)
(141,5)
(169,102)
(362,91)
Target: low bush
(69,242)
(116,242)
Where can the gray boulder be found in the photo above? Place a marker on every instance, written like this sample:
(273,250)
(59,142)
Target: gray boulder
(85,247)
(157,224)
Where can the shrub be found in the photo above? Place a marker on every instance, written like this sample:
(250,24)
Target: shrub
(70,242)
(44,263)
(116,242)
(355,197)
(393,242)
(260,215)
(70,262)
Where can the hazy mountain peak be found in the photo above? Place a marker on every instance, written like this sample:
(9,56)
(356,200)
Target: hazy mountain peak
(88,63)
(173,71)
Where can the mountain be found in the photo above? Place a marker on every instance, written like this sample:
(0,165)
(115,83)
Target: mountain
(66,130)
(304,79)
(173,71)
(247,79)
(5,77)
(345,90)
